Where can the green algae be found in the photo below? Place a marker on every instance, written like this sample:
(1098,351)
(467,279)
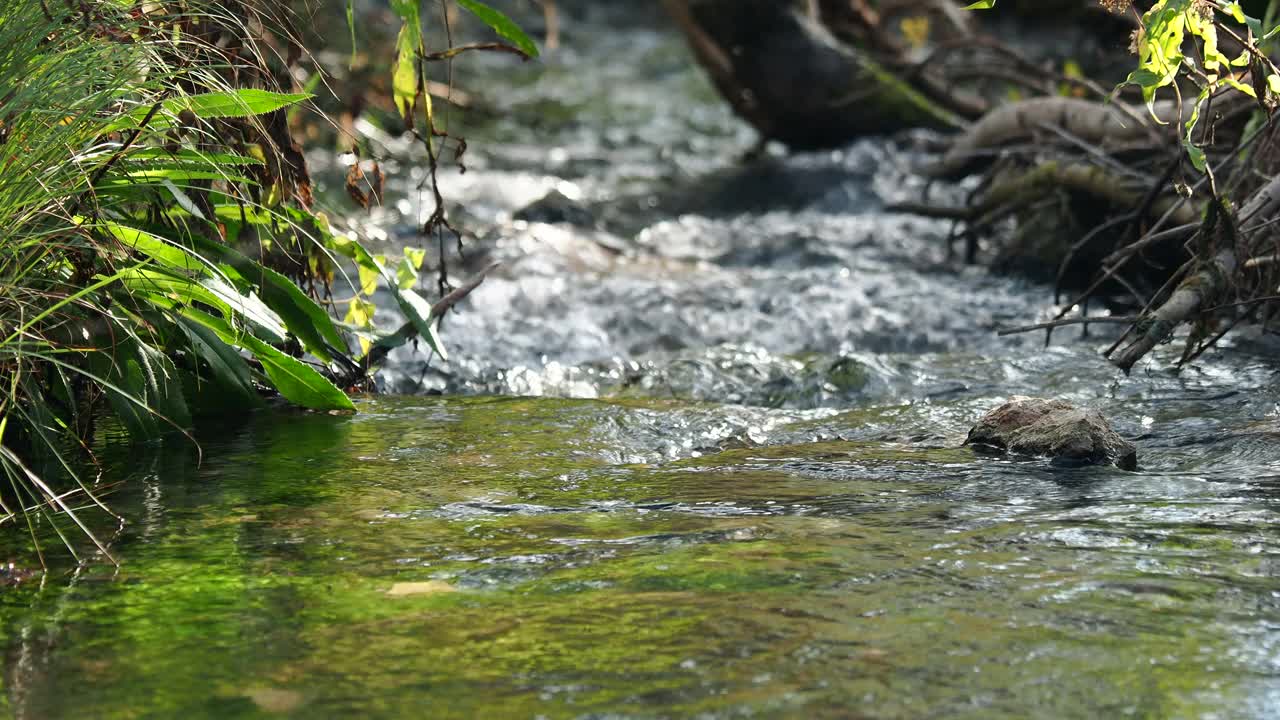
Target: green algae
(833,579)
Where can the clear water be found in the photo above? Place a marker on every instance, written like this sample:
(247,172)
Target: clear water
(733,486)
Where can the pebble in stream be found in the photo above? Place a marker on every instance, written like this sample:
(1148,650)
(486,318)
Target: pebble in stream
(1056,429)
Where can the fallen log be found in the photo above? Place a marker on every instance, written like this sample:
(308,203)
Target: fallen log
(787,75)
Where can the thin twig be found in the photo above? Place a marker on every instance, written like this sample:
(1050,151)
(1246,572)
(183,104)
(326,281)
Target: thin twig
(1060,322)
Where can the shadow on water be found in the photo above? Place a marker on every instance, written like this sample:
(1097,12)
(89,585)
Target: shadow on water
(733,486)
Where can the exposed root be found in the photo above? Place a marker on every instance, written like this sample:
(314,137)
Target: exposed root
(1096,123)
(1212,280)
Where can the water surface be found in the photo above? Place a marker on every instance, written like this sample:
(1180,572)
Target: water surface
(700,457)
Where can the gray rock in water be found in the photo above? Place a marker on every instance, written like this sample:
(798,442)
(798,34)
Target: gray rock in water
(556,207)
(1055,429)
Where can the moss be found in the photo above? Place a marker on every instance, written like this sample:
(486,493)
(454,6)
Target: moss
(895,104)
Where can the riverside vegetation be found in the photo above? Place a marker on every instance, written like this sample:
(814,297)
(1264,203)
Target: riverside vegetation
(162,256)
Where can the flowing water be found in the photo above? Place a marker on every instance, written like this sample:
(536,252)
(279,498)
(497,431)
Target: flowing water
(698,456)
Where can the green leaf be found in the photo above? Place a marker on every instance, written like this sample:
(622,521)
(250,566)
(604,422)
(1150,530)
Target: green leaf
(235,103)
(142,386)
(369,275)
(1143,78)
(360,317)
(211,291)
(125,387)
(155,247)
(298,382)
(1196,156)
(507,29)
(183,199)
(981,5)
(418,312)
(229,375)
(405,80)
(244,213)
(406,274)
(165,387)
(415,309)
(1246,89)
(179,174)
(1254,25)
(415,256)
(1207,31)
(351,26)
(185,157)
(301,315)
(221,104)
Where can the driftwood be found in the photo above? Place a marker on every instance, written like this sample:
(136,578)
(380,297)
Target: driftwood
(1201,289)
(1100,124)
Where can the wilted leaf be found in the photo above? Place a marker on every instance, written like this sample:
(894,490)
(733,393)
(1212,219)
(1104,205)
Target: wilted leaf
(365,188)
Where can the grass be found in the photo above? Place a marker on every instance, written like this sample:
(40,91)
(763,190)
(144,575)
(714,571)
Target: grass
(143,170)
(157,234)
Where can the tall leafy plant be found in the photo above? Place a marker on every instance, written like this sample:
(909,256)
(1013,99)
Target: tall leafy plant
(148,191)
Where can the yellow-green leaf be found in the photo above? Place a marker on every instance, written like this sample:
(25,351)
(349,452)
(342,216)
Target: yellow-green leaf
(415,256)
(404,79)
(406,274)
(368,279)
(503,25)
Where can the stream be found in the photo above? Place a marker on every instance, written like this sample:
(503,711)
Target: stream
(696,453)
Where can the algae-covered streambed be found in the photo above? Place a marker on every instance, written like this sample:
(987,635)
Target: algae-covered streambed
(734,487)
(496,557)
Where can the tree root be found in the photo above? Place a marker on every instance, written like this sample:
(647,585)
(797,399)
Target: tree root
(1210,282)
(1092,122)
(1198,291)
(1079,177)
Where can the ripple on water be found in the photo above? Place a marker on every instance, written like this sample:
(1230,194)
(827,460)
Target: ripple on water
(590,566)
(734,486)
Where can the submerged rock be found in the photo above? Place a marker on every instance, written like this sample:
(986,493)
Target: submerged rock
(556,207)
(1055,429)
